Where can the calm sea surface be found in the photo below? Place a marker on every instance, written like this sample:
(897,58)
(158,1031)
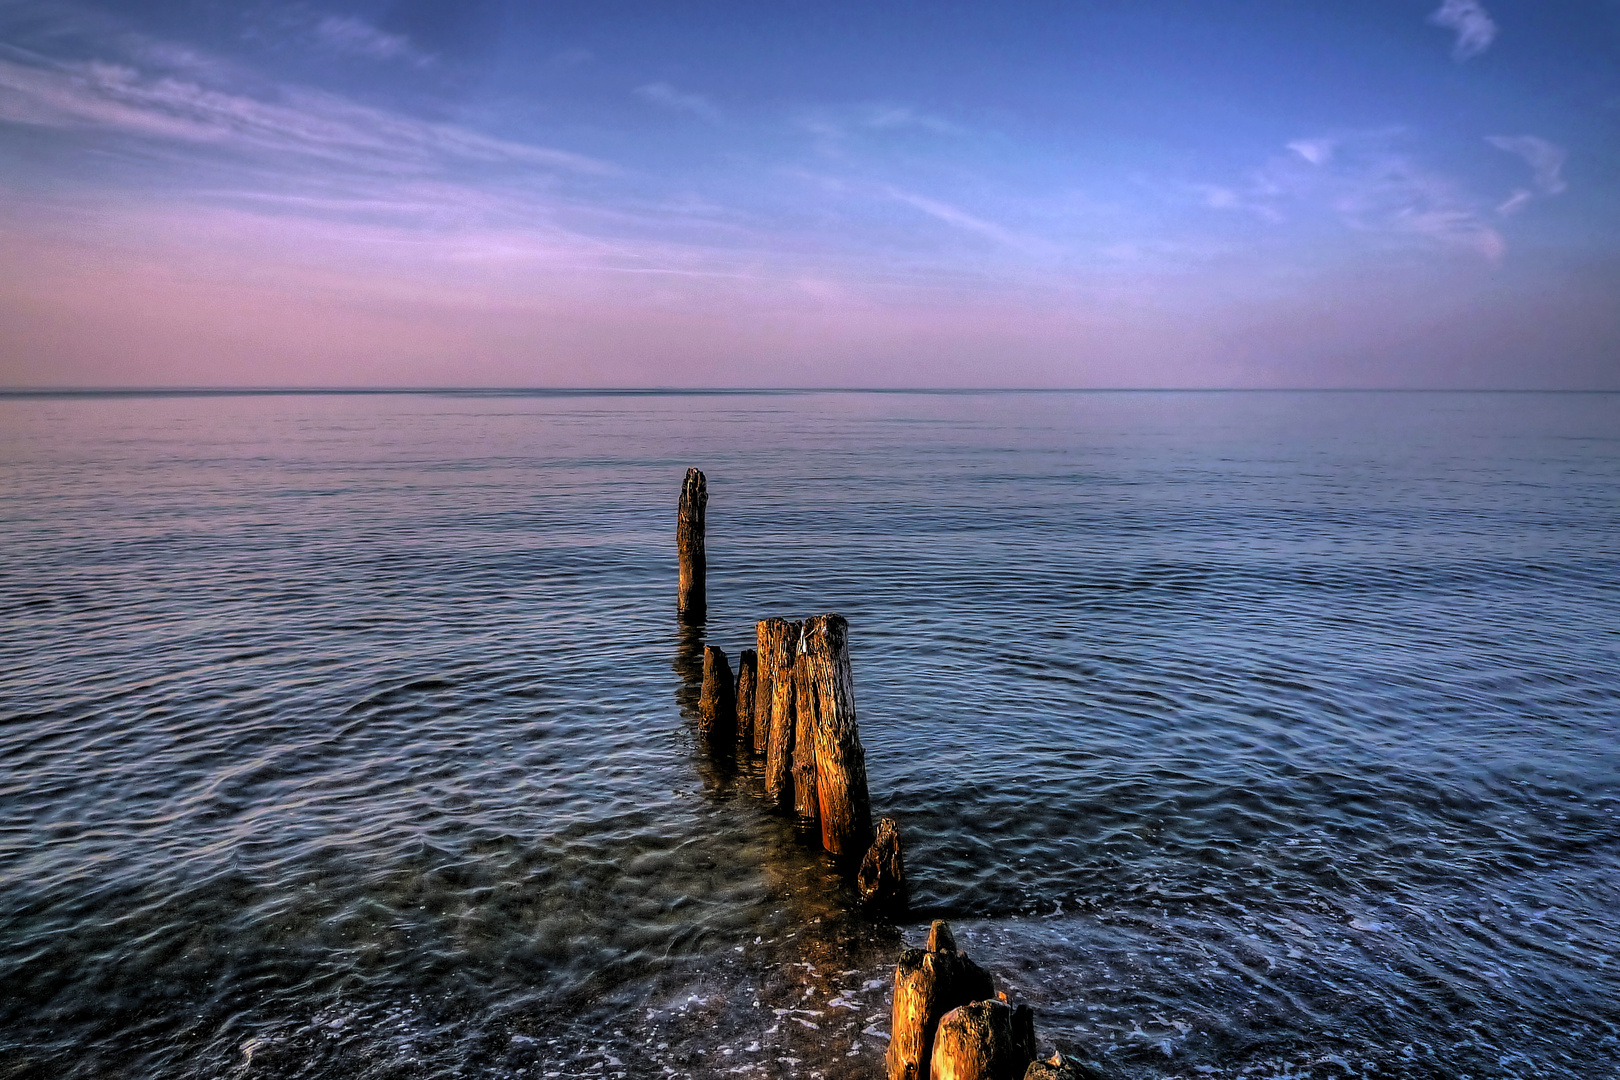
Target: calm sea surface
(1245,735)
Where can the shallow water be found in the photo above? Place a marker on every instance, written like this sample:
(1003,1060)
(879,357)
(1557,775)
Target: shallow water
(1261,735)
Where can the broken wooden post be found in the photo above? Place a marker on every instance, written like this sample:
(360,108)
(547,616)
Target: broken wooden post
(846,808)
(882,877)
(805,713)
(1058,1067)
(747,680)
(717,704)
(776,658)
(692,602)
(928,983)
(983,1040)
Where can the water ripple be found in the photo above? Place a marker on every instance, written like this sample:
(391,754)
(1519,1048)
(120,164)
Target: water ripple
(1246,735)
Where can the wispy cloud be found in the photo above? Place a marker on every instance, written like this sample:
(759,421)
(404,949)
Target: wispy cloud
(1315,151)
(347,34)
(1473,25)
(290,120)
(839,132)
(1368,182)
(960,219)
(881,117)
(666,96)
(1546,160)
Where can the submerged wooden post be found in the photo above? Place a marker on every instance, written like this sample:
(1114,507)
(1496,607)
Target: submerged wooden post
(882,877)
(747,681)
(805,713)
(717,705)
(692,603)
(845,805)
(782,636)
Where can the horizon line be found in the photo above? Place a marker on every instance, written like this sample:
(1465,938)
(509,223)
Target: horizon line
(699,391)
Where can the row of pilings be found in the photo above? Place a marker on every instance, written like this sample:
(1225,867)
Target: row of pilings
(791,703)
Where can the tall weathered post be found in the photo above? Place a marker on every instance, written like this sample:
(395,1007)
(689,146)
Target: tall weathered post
(692,602)
(747,681)
(846,808)
(805,713)
(763,631)
(777,658)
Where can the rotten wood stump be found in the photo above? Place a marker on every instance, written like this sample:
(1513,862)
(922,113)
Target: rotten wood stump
(1058,1067)
(983,1040)
(805,715)
(717,704)
(747,680)
(776,658)
(692,601)
(882,877)
(928,983)
(840,774)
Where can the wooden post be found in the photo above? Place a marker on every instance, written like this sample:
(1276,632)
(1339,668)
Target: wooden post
(846,808)
(747,681)
(928,983)
(983,1040)
(692,603)
(717,704)
(779,740)
(805,712)
(882,877)
(1058,1067)
(763,686)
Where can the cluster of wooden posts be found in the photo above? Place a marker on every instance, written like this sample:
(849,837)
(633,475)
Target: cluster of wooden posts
(792,702)
(949,1022)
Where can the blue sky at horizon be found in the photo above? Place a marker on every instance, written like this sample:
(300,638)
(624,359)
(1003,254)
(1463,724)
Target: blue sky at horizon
(420,192)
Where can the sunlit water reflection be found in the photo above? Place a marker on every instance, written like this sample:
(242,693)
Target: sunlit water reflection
(1245,734)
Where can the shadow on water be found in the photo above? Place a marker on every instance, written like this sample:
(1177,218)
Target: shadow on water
(688,664)
(714,759)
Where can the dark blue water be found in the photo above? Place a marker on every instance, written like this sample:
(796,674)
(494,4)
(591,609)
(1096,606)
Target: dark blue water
(1246,735)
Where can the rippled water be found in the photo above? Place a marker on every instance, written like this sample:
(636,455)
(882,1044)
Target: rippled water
(1261,735)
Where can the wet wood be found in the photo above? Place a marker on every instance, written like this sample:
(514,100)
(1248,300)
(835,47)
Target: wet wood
(805,711)
(776,657)
(692,601)
(882,877)
(918,983)
(983,1040)
(928,983)
(1058,1067)
(717,702)
(763,630)
(747,681)
(846,807)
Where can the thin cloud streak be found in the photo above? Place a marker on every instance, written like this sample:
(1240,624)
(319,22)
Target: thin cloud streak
(666,96)
(1546,159)
(302,122)
(960,219)
(347,34)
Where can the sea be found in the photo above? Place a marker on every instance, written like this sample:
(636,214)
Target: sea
(1240,734)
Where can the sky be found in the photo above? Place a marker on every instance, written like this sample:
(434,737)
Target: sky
(1141,193)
